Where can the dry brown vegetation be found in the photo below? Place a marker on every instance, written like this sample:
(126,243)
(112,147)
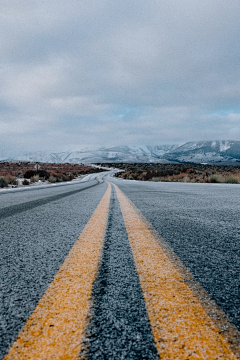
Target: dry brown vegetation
(179,172)
(32,172)
(18,169)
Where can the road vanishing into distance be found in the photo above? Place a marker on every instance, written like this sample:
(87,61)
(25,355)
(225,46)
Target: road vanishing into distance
(105,268)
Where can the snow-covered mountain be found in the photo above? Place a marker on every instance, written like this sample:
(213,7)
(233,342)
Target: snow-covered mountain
(210,152)
(111,154)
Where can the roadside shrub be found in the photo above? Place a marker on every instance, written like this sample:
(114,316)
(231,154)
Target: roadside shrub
(232,180)
(125,175)
(29,173)
(52,179)
(10,179)
(25,182)
(156,179)
(15,182)
(148,175)
(130,177)
(215,178)
(186,179)
(34,178)
(43,174)
(3,182)
(57,176)
(66,178)
(73,176)
(140,177)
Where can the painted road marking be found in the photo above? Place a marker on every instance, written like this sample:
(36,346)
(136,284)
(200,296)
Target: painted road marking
(56,327)
(180,325)
(119,328)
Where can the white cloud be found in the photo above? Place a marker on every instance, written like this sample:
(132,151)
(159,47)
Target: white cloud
(104,72)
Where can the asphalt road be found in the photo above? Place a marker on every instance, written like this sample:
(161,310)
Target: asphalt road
(38,228)
(120,326)
(201,224)
(37,234)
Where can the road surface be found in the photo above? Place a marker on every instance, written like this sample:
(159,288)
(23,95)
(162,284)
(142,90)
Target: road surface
(107,268)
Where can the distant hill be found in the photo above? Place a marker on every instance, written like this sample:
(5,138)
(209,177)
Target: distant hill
(111,154)
(209,152)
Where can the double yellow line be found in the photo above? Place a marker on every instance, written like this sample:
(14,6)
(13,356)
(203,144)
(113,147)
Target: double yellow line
(55,329)
(180,325)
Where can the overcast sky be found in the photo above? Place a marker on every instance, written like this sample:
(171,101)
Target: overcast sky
(91,73)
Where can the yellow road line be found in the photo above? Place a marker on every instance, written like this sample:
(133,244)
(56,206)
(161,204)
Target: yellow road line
(180,325)
(56,327)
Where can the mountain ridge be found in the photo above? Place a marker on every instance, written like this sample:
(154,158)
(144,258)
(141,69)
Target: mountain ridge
(209,152)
